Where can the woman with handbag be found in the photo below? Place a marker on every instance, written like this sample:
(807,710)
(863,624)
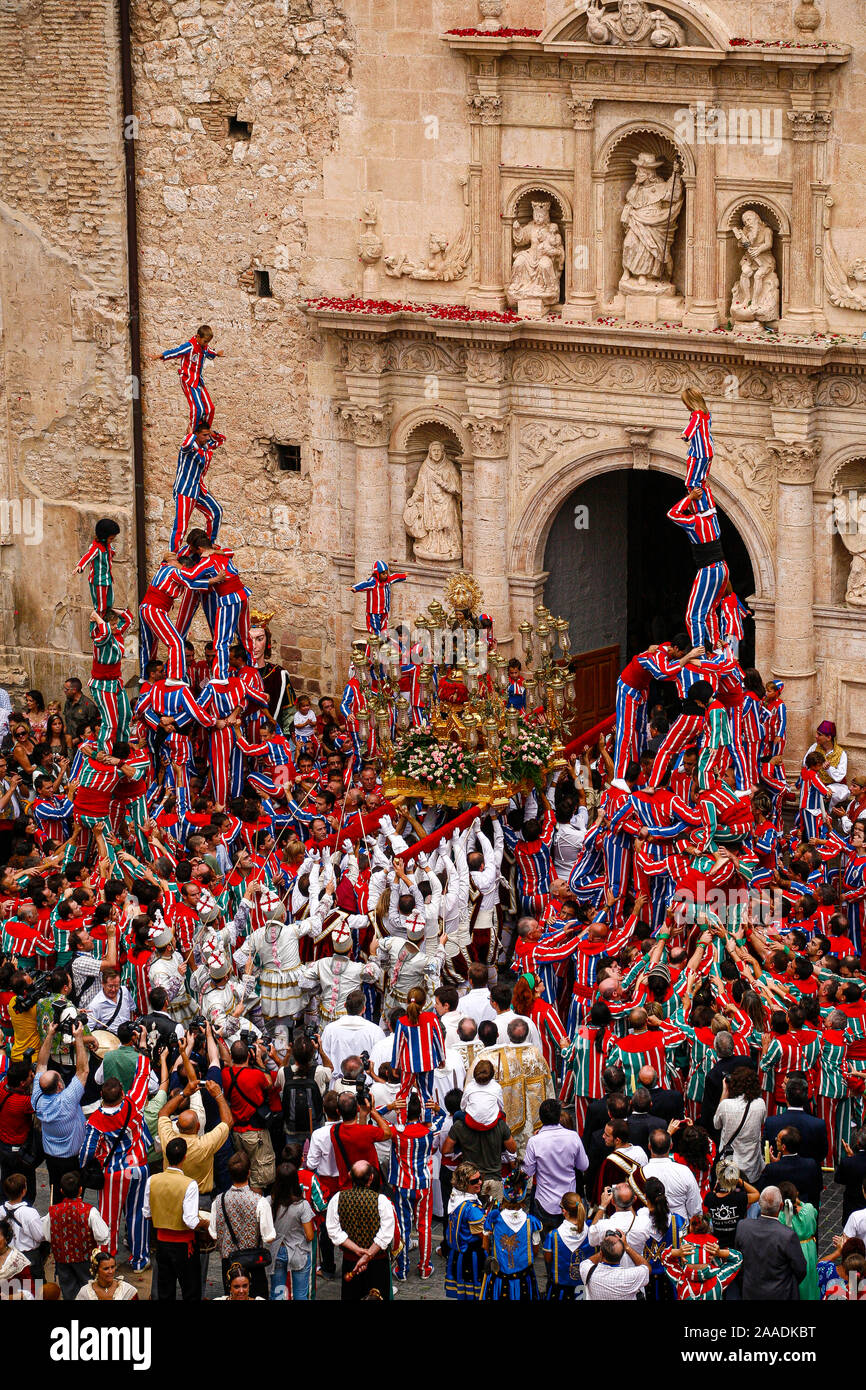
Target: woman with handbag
(241,1223)
(740,1117)
(291,1252)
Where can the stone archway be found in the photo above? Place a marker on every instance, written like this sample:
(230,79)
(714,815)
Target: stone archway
(529,573)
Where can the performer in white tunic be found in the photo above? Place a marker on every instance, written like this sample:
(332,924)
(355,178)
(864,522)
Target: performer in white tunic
(405,964)
(484,880)
(225,1000)
(276,945)
(168,970)
(334,977)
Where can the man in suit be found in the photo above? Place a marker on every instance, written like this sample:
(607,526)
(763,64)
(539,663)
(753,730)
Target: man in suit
(723,1067)
(773,1262)
(788,1166)
(665,1102)
(642,1120)
(813,1130)
(597,1113)
(851,1174)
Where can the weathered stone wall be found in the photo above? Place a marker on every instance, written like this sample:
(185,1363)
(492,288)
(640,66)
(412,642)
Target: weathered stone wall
(214,207)
(64,383)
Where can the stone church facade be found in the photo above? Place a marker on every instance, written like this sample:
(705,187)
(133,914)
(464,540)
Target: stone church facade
(517,232)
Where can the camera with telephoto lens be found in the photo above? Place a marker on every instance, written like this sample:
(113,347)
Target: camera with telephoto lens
(40,989)
(311,1030)
(245,1035)
(66,1017)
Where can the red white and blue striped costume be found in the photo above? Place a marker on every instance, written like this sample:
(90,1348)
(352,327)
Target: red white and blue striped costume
(751,735)
(120,1140)
(378,595)
(814,795)
(177,703)
(225,753)
(419,1048)
(277,775)
(616,846)
(411,1178)
(699,519)
(53,817)
(225,605)
(190,493)
(169,583)
(353,702)
(191,357)
(532,861)
(631,697)
(698,436)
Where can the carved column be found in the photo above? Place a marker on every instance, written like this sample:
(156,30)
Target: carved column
(703,309)
(805,258)
(581,304)
(485,115)
(490,447)
(369,426)
(794,653)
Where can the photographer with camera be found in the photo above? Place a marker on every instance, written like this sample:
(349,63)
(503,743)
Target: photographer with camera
(57,1007)
(57,1105)
(355,1136)
(22,1013)
(254,1099)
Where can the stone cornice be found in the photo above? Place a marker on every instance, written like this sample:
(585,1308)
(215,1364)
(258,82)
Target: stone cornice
(801,355)
(490,46)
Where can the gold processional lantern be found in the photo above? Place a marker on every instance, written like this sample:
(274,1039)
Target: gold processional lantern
(484,722)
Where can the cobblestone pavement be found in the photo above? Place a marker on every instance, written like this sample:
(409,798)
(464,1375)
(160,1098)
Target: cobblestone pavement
(432,1290)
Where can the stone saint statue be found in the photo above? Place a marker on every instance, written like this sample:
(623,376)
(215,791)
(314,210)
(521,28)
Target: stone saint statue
(851,529)
(633,24)
(535,270)
(432,513)
(755,296)
(650,216)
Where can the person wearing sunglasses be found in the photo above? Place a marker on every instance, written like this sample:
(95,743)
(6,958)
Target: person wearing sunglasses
(464,1269)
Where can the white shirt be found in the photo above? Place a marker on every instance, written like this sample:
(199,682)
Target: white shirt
(101,1009)
(190,1201)
(349,1036)
(98,1228)
(636,1226)
(26,1225)
(383,1236)
(613,1283)
(450,1076)
(450,1023)
(681,1188)
(320,1154)
(568,840)
(502,1021)
(382,1052)
(855,1226)
(476,1004)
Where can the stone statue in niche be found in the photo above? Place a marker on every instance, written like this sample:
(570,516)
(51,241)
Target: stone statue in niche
(755,296)
(633,24)
(849,514)
(537,263)
(432,513)
(650,217)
